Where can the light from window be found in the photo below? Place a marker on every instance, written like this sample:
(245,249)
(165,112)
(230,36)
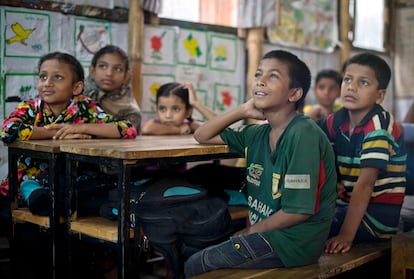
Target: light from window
(369,24)
(184,10)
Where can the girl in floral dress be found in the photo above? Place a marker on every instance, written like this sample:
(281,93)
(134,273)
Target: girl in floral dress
(59,112)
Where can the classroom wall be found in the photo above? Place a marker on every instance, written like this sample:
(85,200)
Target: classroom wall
(217,69)
(403,57)
(26,35)
(214,62)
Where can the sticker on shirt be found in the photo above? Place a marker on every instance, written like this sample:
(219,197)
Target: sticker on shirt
(254,173)
(275,186)
(297,181)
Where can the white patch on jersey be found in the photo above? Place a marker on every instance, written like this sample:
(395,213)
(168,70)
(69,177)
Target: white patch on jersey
(297,181)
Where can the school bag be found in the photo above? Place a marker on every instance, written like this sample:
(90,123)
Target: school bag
(218,179)
(177,217)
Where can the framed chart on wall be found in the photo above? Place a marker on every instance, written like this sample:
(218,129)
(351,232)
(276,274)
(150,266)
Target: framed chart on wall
(27,34)
(308,24)
(404,49)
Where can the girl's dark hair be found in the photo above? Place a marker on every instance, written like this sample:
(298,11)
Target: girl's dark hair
(299,73)
(377,64)
(66,58)
(328,73)
(176,89)
(110,49)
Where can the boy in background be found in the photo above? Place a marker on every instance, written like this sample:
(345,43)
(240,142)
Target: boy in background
(371,160)
(327,91)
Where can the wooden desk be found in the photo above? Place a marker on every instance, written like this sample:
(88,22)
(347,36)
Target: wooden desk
(45,150)
(127,154)
(402,256)
(147,148)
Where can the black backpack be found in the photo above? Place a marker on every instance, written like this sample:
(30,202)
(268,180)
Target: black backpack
(177,217)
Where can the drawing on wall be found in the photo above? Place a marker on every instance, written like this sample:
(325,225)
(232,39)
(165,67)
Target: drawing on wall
(150,85)
(226,97)
(26,34)
(22,85)
(189,73)
(202,97)
(18,87)
(404,59)
(159,45)
(90,36)
(257,13)
(223,53)
(308,24)
(192,47)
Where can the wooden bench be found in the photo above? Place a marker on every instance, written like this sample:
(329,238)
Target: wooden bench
(95,226)
(238,212)
(402,260)
(329,265)
(22,215)
(107,230)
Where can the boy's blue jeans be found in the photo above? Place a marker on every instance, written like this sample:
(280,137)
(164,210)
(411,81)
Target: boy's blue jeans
(244,251)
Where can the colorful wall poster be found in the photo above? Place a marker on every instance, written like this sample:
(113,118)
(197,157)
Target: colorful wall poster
(90,36)
(18,87)
(202,97)
(160,45)
(311,24)
(223,53)
(192,47)
(404,47)
(226,97)
(27,34)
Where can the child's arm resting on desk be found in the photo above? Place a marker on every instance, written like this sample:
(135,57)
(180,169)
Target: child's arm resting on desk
(153,127)
(361,195)
(71,131)
(45,132)
(209,131)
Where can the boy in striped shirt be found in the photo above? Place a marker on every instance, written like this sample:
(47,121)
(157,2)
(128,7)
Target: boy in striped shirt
(371,160)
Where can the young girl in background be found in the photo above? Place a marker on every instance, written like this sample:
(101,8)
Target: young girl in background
(108,84)
(175,103)
(60,111)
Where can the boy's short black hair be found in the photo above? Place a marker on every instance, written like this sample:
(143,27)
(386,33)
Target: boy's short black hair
(299,73)
(329,73)
(377,64)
